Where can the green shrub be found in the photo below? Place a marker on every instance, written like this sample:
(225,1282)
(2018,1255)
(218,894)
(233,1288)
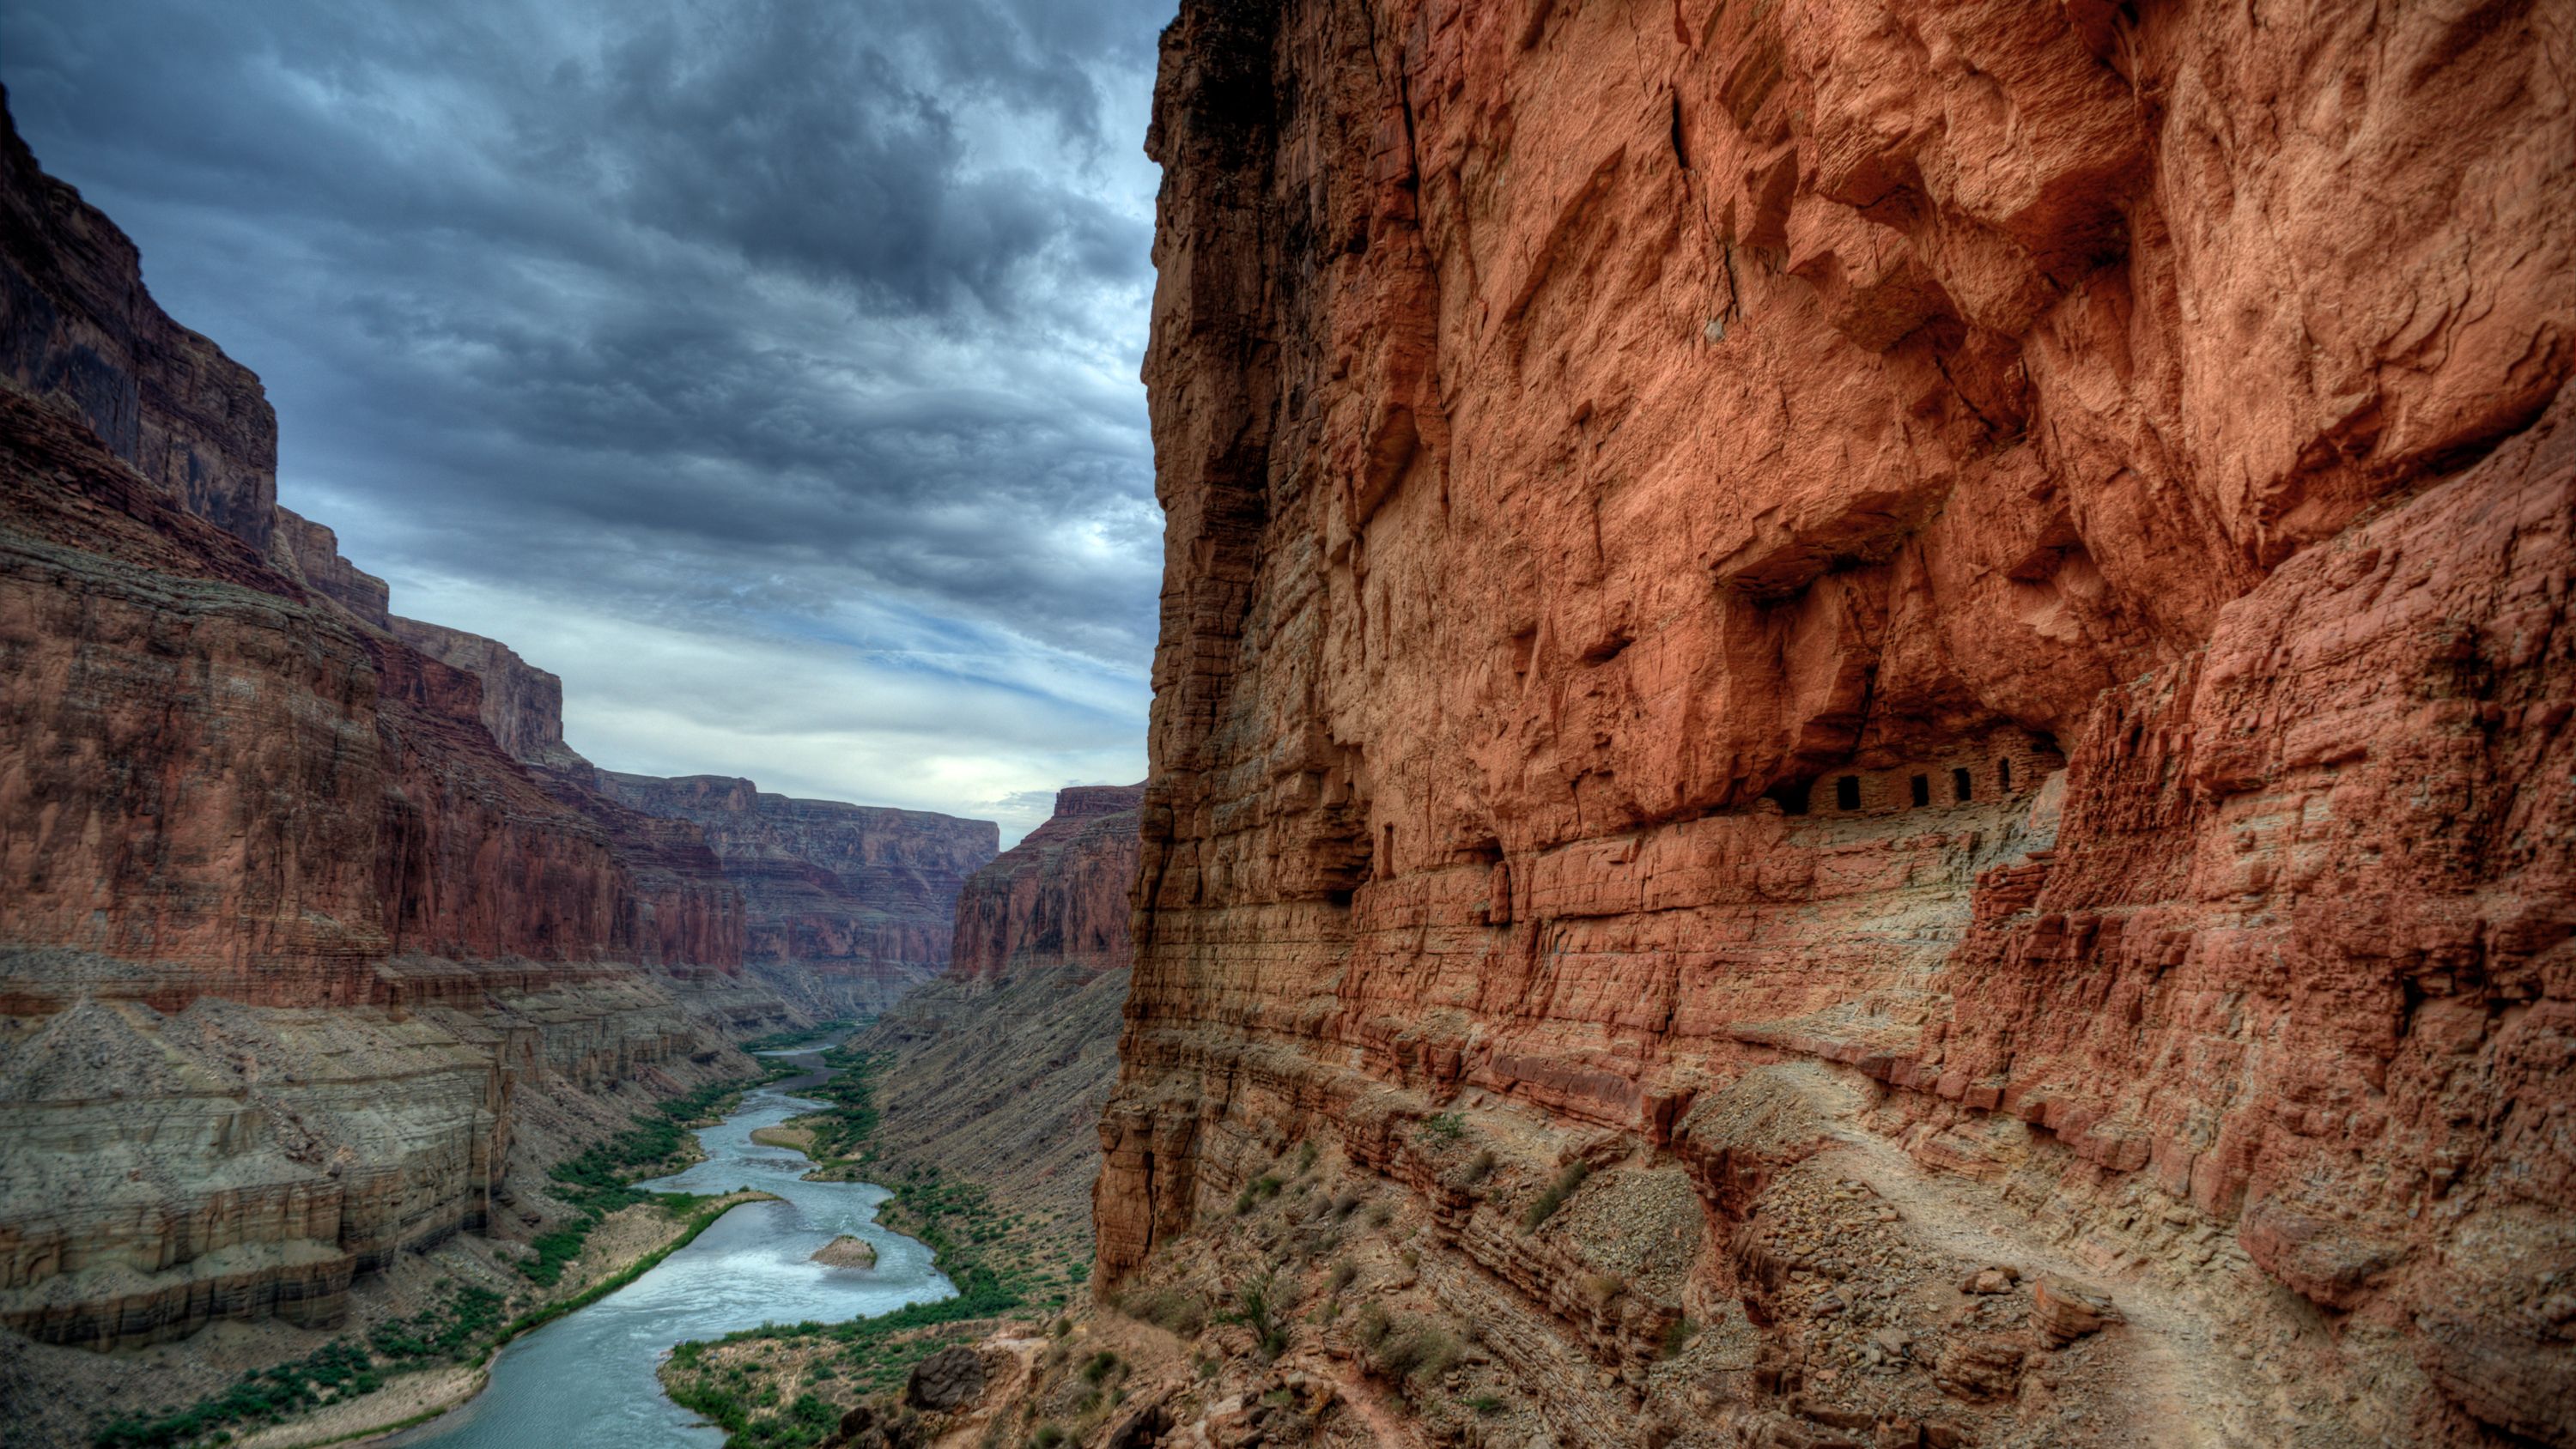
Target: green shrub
(1169,1309)
(778,1040)
(1544,1206)
(1419,1350)
(456,1330)
(1372,1327)
(1448,1126)
(1255,1308)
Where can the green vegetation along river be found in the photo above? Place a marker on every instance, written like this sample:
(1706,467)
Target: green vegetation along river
(586,1380)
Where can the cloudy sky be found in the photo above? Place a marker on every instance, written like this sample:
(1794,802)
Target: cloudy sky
(768,370)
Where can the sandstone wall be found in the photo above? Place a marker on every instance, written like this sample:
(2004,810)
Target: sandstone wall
(310,553)
(1060,896)
(227,1161)
(225,779)
(522,704)
(846,907)
(2129,446)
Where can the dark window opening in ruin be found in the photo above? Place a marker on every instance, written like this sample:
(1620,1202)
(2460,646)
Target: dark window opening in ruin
(1962,784)
(1922,789)
(1386,862)
(1793,797)
(1847,793)
(2003,775)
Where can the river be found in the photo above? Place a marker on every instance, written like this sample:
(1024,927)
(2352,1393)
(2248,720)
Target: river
(585,1381)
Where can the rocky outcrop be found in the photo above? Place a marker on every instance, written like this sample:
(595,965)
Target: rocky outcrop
(2015,555)
(846,907)
(310,553)
(1060,896)
(79,334)
(522,704)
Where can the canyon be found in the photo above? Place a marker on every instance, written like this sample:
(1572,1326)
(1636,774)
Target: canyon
(1863,707)
(1861,737)
(319,946)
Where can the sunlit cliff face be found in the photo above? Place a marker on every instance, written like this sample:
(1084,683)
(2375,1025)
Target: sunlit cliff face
(1829,607)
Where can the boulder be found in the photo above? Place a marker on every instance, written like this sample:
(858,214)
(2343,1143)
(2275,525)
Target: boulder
(945,1380)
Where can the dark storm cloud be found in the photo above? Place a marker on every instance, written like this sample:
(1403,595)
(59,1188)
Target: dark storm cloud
(815,323)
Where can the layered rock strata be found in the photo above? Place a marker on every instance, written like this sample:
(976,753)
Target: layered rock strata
(232,1161)
(843,907)
(2015,557)
(522,704)
(846,907)
(1060,896)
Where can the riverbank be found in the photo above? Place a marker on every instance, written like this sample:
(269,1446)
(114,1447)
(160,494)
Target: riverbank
(644,1234)
(590,1381)
(449,1308)
(408,1400)
(786,1385)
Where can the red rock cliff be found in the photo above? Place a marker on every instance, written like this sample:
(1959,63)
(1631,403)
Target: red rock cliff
(846,906)
(78,331)
(2013,556)
(1060,896)
(522,704)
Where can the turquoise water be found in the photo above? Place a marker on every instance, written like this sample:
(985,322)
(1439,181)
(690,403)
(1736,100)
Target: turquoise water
(585,1381)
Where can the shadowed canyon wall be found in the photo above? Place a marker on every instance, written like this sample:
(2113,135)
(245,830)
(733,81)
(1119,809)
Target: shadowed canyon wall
(844,907)
(1000,1067)
(1991,581)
